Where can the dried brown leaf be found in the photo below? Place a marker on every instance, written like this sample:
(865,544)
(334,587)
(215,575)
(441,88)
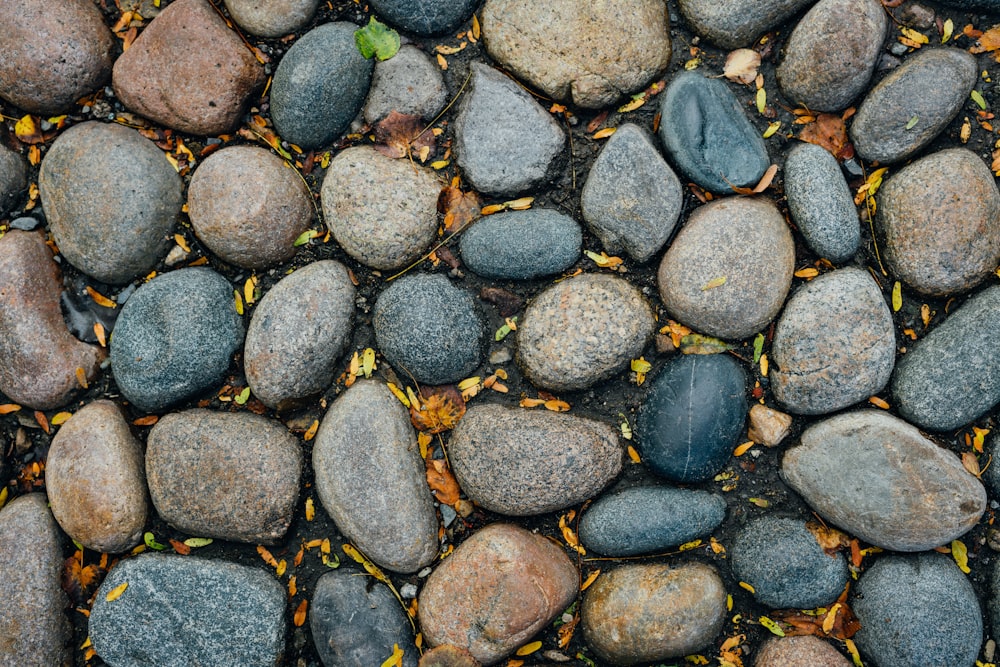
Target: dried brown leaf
(439,410)
(459,208)
(741,66)
(399,135)
(443,484)
(829,132)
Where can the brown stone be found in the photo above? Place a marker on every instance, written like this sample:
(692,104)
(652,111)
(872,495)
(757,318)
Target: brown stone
(768,426)
(804,651)
(39,357)
(448,656)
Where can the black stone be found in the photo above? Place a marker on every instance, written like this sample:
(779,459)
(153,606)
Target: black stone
(425,17)
(521,245)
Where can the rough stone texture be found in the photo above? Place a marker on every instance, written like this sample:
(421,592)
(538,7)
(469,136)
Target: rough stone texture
(496,591)
(878,478)
(834,344)
(490,146)
(952,375)
(917,610)
(371,480)
(383,212)
(410,82)
(175,338)
(767,425)
(832,52)
(821,203)
(644,613)
(425,17)
(188,70)
(319,86)
(13,178)
(248,207)
(298,332)
(745,241)
(52,58)
(95,479)
(991,477)
(34,631)
(183,610)
(632,198)
(521,245)
(805,651)
(38,355)
(931,86)
(448,656)
(735,23)
(228,475)
(581,331)
(589,54)
(988,5)
(940,218)
(548,461)
(111,199)
(272,18)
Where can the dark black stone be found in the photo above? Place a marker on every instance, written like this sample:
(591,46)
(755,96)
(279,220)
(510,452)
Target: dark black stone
(521,245)
(425,17)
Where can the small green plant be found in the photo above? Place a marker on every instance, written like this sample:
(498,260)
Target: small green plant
(377,39)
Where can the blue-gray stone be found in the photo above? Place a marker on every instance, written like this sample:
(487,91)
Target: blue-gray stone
(708,135)
(425,17)
(13,178)
(410,82)
(521,245)
(175,338)
(649,519)
(735,23)
(179,611)
(785,564)
(319,86)
(917,610)
(692,417)
(993,605)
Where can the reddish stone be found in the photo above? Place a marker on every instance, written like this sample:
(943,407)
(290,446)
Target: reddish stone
(448,656)
(799,652)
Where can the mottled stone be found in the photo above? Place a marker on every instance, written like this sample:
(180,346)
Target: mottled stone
(425,17)
(767,425)
(272,18)
(735,23)
(804,651)
(448,656)
(13,178)
(521,245)
(410,82)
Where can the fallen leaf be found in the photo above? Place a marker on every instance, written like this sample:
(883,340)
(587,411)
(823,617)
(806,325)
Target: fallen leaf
(605,133)
(150,540)
(376,39)
(8,408)
(897,297)
(459,208)
(79,580)
(299,619)
(961,555)
(698,344)
(443,484)
(713,283)
(829,132)
(771,129)
(741,66)
(772,626)
(198,542)
(396,659)
(530,648)
(99,298)
(400,135)
(439,410)
(971,463)
(591,578)
(180,547)
(266,555)
(830,540)
(978,98)
(116,592)
(310,509)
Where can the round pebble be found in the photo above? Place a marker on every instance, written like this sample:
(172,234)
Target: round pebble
(804,651)
(737,23)
(272,18)
(521,245)
(13,178)
(410,82)
(425,17)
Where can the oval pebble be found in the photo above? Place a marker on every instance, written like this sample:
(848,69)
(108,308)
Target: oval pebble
(521,245)
(804,651)
(410,83)
(13,178)
(425,17)
(272,18)
(735,23)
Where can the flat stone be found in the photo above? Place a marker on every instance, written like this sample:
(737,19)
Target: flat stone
(272,18)
(731,24)
(768,426)
(804,651)
(410,82)
(879,479)
(110,237)
(379,501)
(632,199)
(13,178)
(521,245)
(95,479)
(496,591)
(425,17)
(581,331)
(192,611)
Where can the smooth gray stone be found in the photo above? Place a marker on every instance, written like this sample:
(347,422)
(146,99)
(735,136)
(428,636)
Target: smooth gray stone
(735,23)
(13,178)
(410,82)
(425,17)
(272,18)
(521,245)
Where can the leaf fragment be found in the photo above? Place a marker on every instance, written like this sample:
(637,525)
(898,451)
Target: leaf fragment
(376,39)
(529,648)
(713,283)
(442,482)
(310,509)
(299,619)
(741,66)
(771,129)
(978,98)
(116,592)
(242,397)
(761,100)
(698,344)
(758,347)
(396,659)
(910,124)
(772,626)
(961,555)
(305,237)
(897,297)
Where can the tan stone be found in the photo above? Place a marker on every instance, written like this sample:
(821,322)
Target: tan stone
(799,652)
(768,426)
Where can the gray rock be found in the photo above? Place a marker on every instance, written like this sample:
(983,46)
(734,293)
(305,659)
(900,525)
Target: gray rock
(632,198)
(319,86)
(744,242)
(429,329)
(108,236)
(931,86)
(379,500)
(410,82)
(917,610)
(492,131)
(175,337)
(988,5)
(191,611)
(991,476)
(425,17)
(735,23)
(272,18)
(298,332)
(802,651)
(521,245)
(878,478)
(649,519)
(581,331)
(834,345)
(821,204)
(13,178)
(993,603)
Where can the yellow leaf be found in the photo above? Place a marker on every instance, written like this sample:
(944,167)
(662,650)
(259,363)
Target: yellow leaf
(897,297)
(116,592)
(948,29)
(713,283)
(772,626)
(81,377)
(4,492)
(370,567)
(763,365)
(449,50)
(831,618)
(475,27)
(913,35)
(527,649)
(398,393)
(640,365)
(310,509)
(311,431)
(182,242)
(605,133)
(744,448)
(807,273)
(978,437)
(249,290)
(396,659)
(687,546)
(771,129)
(239,302)
(590,579)
(368,362)
(637,101)
(522,204)
(282,566)
(60,417)
(440,164)
(853,650)
(761,100)
(744,585)
(27,130)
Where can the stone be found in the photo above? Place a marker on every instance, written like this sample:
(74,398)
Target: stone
(940,218)
(95,479)
(649,519)
(692,417)
(632,199)
(581,331)
(496,591)
(248,207)
(175,338)
(708,135)
(429,329)
(991,477)
(821,204)
(299,330)
(917,610)
(447,656)
(645,613)
(548,461)
(494,119)
(186,610)
(768,426)
(13,178)
(107,235)
(731,24)
(744,242)
(355,622)
(319,86)
(834,344)
(53,58)
(987,5)
(878,478)
(382,212)
(410,82)
(804,651)
(931,86)
(272,18)
(587,54)
(379,500)
(425,17)
(34,631)
(187,70)
(521,245)
(824,74)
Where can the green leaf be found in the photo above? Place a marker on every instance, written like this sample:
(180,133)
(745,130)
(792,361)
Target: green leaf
(197,542)
(977,97)
(332,562)
(305,237)
(698,344)
(377,39)
(758,347)
(151,542)
(912,123)
(772,626)
(242,397)
(503,331)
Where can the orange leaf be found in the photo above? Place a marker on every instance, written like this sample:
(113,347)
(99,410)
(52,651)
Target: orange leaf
(566,630)
(293,587)
(100,333)
(311,431)
(42,421)
(300,614)
(442,482)
(399,135)
(830,539)
(829,132)
(180,547)
(81,377)
(99,298)
(440,410)
(310,509)
(556,405)
(8,408)
(148,420)
(459,208)
(266,555)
